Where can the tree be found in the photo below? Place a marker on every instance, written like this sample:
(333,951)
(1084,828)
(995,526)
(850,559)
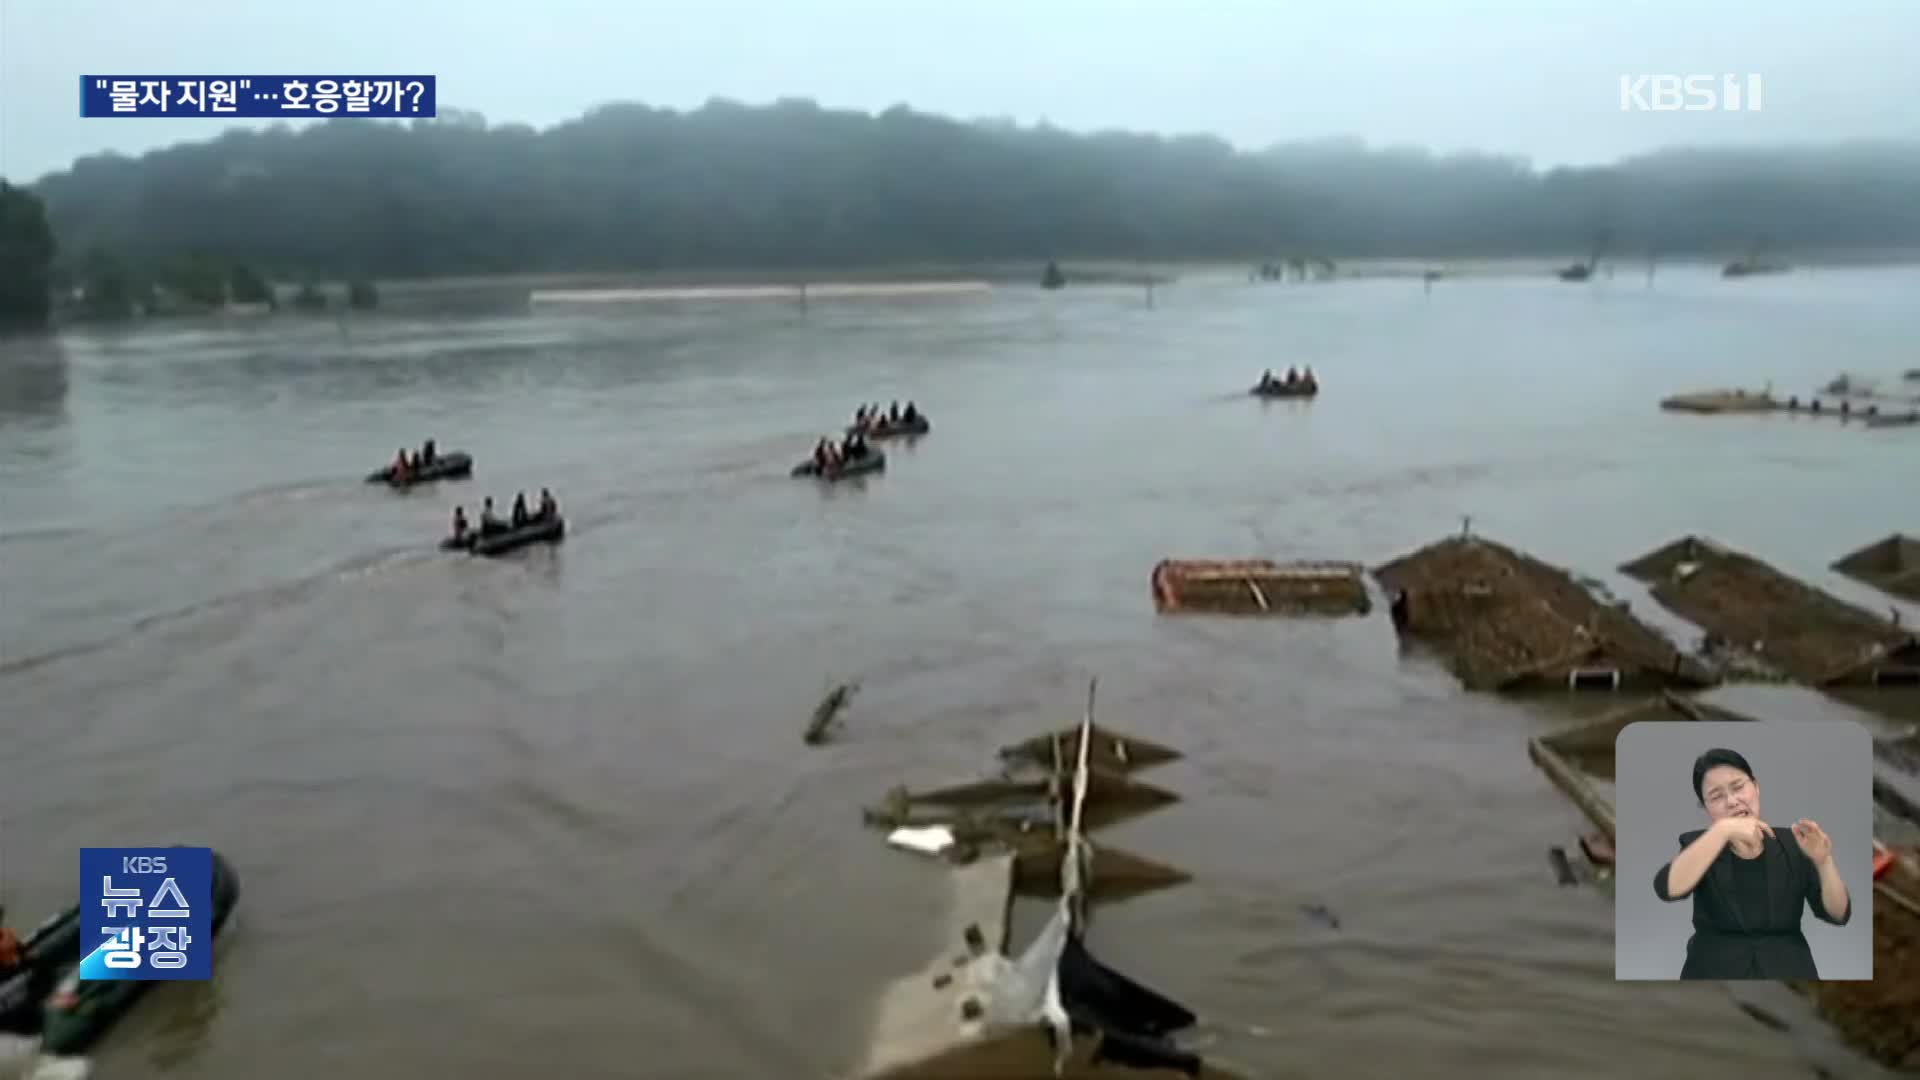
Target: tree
(629,187)
(26,258)
(107,289)
(246,286)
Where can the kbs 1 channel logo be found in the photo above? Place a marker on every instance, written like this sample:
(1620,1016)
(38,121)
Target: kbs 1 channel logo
(254,96)
(146,914)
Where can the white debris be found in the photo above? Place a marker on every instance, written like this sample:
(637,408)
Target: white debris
(1025,992)
(930,840)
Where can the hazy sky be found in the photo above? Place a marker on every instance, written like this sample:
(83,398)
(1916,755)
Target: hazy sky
(1539,79)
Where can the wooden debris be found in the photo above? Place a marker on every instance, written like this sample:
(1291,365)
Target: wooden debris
(828,711)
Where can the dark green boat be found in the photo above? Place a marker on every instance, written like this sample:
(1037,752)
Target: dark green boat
(872,461)
(539,530)
(51,949)
(78,1013)
(453,465)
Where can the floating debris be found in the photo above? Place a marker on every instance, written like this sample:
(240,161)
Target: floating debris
(983,1013)
(1562,869)
(1891,565)
(1813,636)
(1598,848)
(1510,622)
(1722,401)
(1321,914)
(828,711)
(1260,587)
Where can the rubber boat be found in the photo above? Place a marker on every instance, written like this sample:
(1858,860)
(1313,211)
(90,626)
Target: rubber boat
(50,949)
(1285,390)
(499,543)
(455,465)
(872,462)
(919,425)
(76,1014)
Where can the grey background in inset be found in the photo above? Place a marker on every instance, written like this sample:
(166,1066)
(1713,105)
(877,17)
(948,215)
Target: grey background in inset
(1820,770)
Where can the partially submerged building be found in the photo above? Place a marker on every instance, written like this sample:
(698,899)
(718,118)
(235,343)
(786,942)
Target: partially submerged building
(1260,587)
(1509,622)
(1811,635)
(1054,1010)
(1891,565)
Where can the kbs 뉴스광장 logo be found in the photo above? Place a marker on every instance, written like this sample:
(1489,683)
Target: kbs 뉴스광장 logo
(146,913)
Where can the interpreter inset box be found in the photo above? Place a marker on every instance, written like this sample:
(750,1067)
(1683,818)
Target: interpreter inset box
(1743,850)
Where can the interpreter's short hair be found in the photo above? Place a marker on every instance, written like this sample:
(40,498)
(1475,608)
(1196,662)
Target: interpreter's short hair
(1713,759)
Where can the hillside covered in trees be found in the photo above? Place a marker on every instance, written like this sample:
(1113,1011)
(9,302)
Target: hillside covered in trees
(627,187)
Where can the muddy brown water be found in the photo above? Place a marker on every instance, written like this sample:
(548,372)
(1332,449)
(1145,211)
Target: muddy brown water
(551,815)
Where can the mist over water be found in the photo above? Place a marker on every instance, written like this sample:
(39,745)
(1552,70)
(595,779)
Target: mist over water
(550,814)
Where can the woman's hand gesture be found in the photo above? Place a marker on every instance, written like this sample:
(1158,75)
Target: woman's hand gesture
(1813,840)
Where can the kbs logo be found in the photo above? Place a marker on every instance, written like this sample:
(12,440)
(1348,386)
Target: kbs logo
(146,913)
(1689,93)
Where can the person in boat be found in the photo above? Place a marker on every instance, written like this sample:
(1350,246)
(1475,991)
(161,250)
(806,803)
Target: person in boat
(399,469)
(460,523)
(426,452)
(10,950)
(549,506)
(1307,379)
(1749,882)
(1266,378)
(822,455)
(519,509)
(893,413)
(909,414)
(489,521)
(1293,376)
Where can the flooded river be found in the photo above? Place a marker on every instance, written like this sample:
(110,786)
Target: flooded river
(551,815)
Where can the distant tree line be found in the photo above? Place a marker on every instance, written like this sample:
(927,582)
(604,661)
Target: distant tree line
(628,187)
(26,258)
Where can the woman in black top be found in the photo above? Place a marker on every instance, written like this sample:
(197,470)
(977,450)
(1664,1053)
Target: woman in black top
(1749,882)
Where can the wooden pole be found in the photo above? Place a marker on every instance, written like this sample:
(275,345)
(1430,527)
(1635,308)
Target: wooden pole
(1576,786)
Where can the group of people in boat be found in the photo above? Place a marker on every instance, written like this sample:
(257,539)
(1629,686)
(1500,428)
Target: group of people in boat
(407,465)
(491,524)
(871,417)
(1295,380)
(829,455)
